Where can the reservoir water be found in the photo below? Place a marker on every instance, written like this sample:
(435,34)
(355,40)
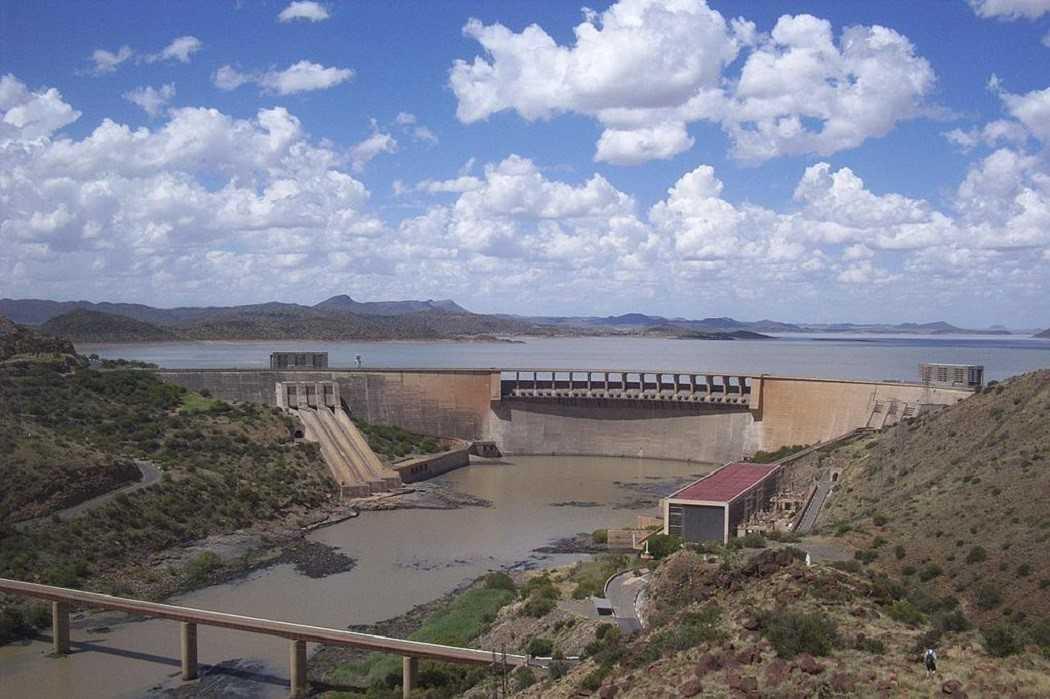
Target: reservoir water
(825,356)
(404,558)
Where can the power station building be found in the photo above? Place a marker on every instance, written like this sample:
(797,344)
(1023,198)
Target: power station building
(298,360)
(712,508)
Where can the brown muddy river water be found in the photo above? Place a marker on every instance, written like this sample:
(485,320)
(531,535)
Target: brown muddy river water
(404,558)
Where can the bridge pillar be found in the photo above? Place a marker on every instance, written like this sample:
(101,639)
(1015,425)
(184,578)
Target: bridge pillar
(297,668)
(188,638)
(409,671)
(60,628)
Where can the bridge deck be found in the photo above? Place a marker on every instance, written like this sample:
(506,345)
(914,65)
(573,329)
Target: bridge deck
(271,627)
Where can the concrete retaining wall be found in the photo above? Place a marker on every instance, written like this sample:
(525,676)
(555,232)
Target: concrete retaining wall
(424,467)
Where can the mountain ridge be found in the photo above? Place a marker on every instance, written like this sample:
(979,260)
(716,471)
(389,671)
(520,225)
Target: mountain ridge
(342,317)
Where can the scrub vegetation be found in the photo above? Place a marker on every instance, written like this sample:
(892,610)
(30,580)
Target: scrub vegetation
(68,433)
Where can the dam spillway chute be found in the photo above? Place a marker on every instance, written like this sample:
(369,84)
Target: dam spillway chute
(352,463)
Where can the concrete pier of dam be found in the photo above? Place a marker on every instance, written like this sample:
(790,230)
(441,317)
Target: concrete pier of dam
(710,417)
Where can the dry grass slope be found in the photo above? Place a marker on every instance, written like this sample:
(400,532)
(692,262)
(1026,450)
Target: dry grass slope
(964,495)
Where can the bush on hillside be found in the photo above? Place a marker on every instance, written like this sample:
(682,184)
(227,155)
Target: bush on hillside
(988,596)
(540,647)
(663,545)
(793,632)
(1002,640)
(976,555)
(499,581)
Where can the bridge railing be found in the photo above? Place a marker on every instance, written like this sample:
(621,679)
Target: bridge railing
(298,634)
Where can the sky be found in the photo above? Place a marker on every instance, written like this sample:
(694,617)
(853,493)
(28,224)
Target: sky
(866,162)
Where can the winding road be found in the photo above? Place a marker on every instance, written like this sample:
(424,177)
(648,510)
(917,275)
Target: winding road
(150,476)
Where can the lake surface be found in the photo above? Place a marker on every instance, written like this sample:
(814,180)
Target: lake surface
(404,558)
(825,356)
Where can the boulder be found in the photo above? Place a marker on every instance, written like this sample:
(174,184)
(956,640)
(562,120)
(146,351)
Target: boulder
(608,691)
(807,664)
(690,688)
(952,687)
(842,683)
(776,672)
(748,656)
(708,663)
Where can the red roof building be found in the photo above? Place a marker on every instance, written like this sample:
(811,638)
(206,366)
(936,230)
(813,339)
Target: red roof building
(711,508)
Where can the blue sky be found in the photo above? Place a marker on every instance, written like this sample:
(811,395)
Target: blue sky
(847,161)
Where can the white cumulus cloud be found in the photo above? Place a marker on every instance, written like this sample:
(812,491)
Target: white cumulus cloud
(151,99)
(1011,9)
(26,115)
(303,10)
(376,144)
(800,90)
(180,49)
(303,76)
(108,61)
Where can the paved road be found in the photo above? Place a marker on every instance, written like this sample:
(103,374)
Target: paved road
(809,517)
(622,592)
(150,475)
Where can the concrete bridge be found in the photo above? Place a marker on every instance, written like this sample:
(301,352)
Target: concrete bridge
(713,417)
(297,634)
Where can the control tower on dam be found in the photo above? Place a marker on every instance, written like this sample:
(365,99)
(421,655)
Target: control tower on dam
(696,416)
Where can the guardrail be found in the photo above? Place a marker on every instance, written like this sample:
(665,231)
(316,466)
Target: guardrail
(298,634)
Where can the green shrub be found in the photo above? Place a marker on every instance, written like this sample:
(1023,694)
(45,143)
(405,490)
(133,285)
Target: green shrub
(753,540)
(692,629)
(198,569)
(593,680)
(523,678)
(880,520)
(988,596)
(870,645)
(1024,570)
(499,581)
(663,545)
(866,556)
(1002,640)
(538,606)
(899,552)
(929,572)
(793,632)
(540,647)
(600,536)
(952,621)
(906,613)
(976,555)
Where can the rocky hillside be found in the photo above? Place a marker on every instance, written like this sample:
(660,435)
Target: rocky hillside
(94,326)
(18,342)
(748,623)
(1045,334)
(958,500)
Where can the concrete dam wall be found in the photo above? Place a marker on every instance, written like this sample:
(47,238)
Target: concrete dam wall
(470,404)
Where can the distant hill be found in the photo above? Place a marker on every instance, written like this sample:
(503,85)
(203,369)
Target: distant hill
(963,493)
(1044,334)
(93,326)
(342,317)
(345,304)
(16,341)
